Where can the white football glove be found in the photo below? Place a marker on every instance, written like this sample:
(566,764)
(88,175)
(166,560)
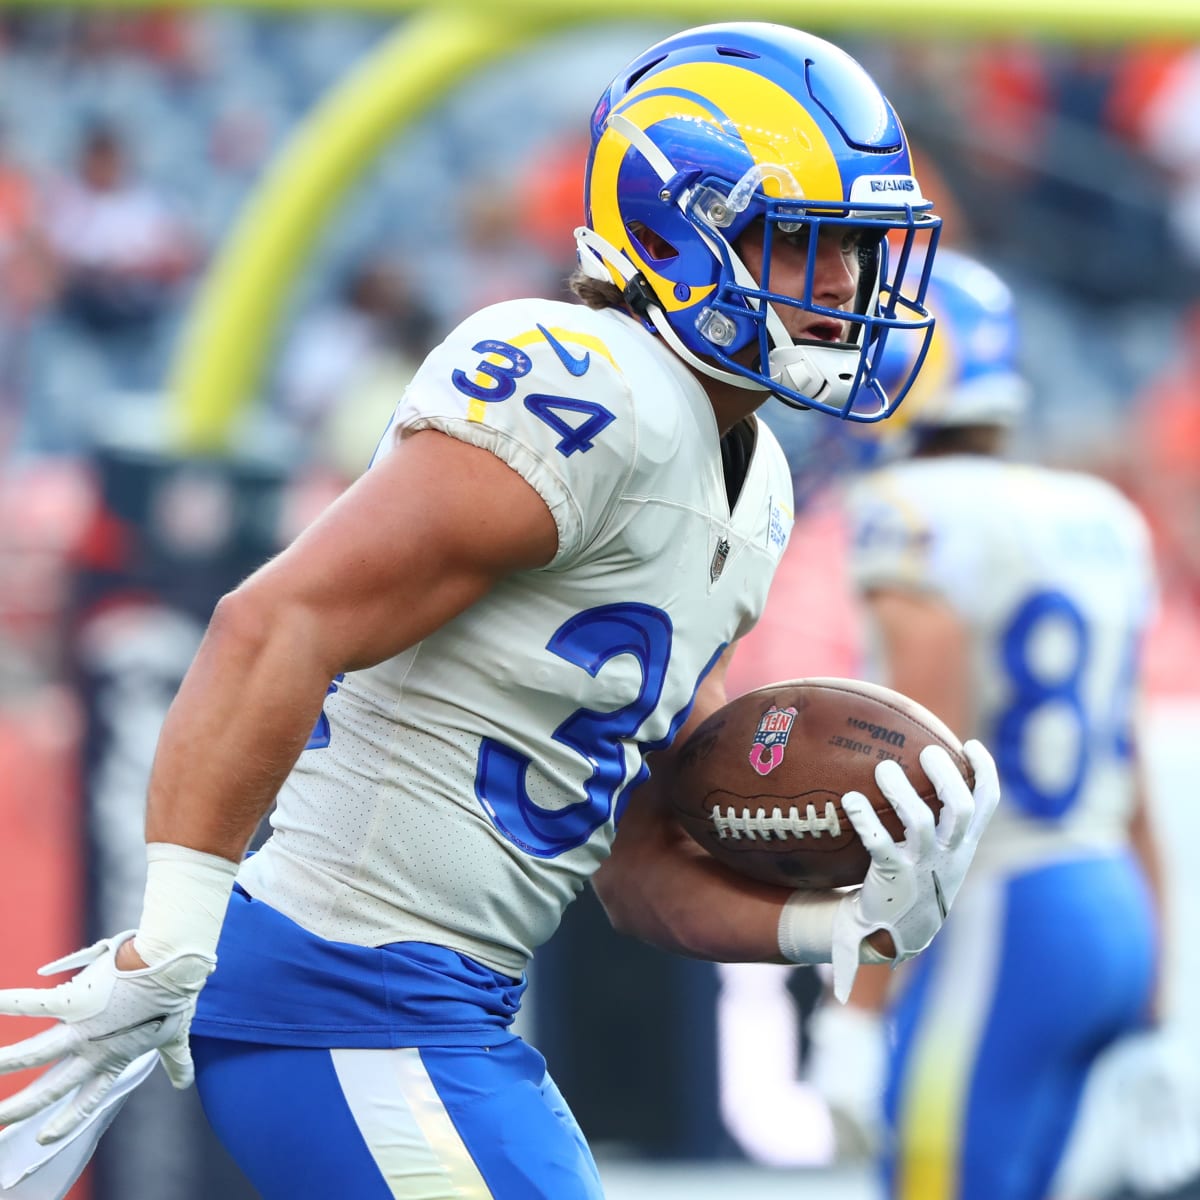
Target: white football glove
(109,1018)
(848,1052)
(910,885)
(1138,1125)
(1159,1087)
(31,1171)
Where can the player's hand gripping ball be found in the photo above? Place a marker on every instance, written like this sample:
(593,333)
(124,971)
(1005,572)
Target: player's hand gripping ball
(760,783)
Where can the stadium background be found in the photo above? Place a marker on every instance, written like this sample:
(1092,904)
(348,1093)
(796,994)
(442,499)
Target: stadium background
(329,190)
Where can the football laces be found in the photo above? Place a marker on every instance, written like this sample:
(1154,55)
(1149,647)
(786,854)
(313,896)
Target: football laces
(776,823)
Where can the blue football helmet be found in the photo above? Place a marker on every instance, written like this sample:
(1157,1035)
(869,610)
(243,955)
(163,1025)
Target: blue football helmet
(724,125)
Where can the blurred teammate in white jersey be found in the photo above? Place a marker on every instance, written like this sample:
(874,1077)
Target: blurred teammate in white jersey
(1012,600)
(455,679)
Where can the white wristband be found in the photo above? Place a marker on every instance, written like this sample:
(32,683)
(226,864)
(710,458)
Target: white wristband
(187,892)
(806,929)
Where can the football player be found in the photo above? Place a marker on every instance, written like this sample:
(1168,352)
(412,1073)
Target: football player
(454,681)
(1012,600)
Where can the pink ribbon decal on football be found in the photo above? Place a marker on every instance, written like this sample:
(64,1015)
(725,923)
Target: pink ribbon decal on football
(765,759)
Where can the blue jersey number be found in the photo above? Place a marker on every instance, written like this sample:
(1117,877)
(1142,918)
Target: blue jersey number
(588,640)
(578,422)
(1034,689)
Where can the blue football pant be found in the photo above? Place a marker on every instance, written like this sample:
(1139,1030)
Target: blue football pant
(1001,1019)
(429,1123)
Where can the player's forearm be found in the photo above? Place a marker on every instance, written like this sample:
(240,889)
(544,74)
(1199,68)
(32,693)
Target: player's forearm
(659,886)
(926,652)
(871,988)
(687,903)
(236,728)
(662,888)
(1143,835)
(1145,842)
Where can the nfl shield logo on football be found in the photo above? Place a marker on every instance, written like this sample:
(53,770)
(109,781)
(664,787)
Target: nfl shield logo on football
(718,560)
(770,738)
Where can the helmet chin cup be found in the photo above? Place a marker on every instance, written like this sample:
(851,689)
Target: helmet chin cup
(824,374)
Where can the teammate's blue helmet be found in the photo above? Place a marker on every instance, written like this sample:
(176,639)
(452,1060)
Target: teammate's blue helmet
(727,124)
(970,375)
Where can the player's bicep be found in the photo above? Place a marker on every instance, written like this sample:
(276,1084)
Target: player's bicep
(419,538)
(925,645)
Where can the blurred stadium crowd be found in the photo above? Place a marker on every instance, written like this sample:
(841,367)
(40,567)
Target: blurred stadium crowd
(129,143)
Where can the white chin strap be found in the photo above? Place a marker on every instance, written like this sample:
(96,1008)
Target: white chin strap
(823,373)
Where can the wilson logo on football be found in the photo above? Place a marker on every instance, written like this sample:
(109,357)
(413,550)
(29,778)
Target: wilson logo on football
(770,738)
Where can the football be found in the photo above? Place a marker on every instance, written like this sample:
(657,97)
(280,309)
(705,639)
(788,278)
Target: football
(760,783)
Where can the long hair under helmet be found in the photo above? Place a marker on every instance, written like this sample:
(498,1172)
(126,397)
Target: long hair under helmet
(723,125)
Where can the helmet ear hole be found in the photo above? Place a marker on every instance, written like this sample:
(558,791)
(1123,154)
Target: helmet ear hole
(652,246)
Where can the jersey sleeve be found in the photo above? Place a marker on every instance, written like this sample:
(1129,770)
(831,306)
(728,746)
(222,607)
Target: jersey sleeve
(893,537)
(535,384)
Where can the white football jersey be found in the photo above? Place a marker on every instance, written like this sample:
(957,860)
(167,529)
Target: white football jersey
(1052,575)
(462,792)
